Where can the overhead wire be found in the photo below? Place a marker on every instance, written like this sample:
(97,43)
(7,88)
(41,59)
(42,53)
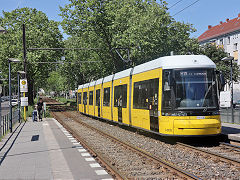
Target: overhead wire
(175,4)
(186,8)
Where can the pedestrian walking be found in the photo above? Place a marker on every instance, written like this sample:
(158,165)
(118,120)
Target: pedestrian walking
(40,108)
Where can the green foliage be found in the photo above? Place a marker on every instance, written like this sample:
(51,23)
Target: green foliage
(144,27)
(40,32)
(217,54)
(56,82)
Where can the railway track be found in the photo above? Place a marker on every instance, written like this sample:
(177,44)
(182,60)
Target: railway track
(213,153)
(202,165)
(225,151)
(122,159)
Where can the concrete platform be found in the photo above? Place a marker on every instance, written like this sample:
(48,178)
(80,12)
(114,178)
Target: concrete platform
(232,131)
(45,150)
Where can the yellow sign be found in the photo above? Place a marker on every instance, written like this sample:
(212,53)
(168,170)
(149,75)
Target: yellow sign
(24,82)
(23,85)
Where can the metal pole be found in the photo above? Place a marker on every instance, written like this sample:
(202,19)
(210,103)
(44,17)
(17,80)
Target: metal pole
(24,50)
(1,127)
(232,91)
(10,96)
(19,115)
(24,109)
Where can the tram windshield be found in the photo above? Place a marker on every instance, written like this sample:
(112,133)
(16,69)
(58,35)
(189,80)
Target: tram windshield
(190,89)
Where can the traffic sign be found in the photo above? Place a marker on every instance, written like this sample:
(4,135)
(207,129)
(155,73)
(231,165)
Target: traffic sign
(23,85)
(24,101)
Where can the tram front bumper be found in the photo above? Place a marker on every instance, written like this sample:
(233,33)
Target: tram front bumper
(197,127)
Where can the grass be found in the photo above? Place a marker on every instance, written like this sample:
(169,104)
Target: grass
(64,100)
(68,102)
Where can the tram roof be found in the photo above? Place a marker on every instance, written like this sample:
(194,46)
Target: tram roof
(80,86)
(86,85)
(99,81)
(108,78)
(92,83)
(122,74)
(175,62)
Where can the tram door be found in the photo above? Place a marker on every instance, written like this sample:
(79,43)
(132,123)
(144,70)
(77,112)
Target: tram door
(120,109)
(153,104)
(120,99)
(84,102)
(98,102)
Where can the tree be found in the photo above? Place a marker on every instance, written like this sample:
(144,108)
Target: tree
(40,32)
(217,54)
(56,82)
(144,27)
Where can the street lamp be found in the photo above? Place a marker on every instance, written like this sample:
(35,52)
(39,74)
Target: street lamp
(11,60)
(19,105)
(0,108)
(230,58)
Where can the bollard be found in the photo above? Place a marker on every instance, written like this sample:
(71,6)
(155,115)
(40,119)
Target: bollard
(3,125)
(7,122)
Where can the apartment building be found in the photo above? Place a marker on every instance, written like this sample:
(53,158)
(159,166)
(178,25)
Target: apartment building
(226,35)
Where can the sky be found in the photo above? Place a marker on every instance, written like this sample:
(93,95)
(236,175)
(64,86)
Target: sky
(201,14)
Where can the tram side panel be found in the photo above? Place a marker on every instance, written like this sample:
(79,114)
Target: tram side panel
(106,100)
(145,100)
(120,100)
(91,101)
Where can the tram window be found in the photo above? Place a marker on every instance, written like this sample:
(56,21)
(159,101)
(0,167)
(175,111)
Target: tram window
(91,98)
(98,97)
(120,96)
(79,98)
(106,97)
(85,98)
(145,94)
(166,89)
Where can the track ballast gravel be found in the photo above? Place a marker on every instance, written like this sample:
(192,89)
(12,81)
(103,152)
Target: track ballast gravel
(202,166)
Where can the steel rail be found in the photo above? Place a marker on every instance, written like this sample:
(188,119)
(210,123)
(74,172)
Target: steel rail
(113,171)
(224,158)
(235,147)
(161,161)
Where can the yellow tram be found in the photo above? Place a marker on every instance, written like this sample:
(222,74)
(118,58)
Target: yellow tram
(172,95)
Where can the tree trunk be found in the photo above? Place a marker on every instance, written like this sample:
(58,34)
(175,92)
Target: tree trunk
(30,91)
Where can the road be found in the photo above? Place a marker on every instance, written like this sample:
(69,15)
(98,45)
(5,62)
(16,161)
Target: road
(5,108)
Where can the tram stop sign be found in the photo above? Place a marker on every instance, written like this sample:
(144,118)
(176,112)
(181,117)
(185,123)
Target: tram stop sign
(23,85)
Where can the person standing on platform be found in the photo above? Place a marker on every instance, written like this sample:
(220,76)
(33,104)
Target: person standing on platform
(40,108)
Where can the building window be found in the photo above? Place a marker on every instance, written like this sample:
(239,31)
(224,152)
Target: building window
(235,46)
(221,42)
(120,96)
(228,40)
(91,98)
(145,94)
(106,97)
(79,98)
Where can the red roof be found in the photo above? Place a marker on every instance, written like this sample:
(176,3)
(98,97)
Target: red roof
(223,28)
